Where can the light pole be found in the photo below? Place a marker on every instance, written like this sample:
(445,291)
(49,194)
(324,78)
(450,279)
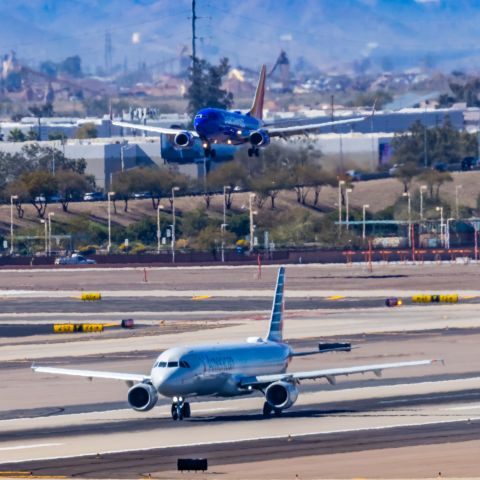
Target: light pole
(224,224)
(251,197)
(447,232)
(159,231)
(109,198)
(365,206)
(50,215)
(174,189)
(409,198)
(45,235)
(442,239)
(122,154)
(422,189)
(456,200)
(347,191)
(12,198)
(340,185)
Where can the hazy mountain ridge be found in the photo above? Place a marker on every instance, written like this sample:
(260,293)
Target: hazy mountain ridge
(327,33)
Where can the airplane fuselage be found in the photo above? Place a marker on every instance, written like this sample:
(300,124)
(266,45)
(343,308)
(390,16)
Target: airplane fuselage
(216,369)
(221,126)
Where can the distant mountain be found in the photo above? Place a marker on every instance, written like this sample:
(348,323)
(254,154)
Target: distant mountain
(330,34)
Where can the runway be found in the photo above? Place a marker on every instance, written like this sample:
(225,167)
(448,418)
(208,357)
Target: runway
(52,425)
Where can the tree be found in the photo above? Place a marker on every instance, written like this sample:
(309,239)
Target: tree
(125,184)
(71,66)
(232,175)
(38,188)
(87,130)
(205,88)
(405,174)
(16,135)
(434,178)
(71,185)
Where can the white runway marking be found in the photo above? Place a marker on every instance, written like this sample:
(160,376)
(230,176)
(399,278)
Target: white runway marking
(433,397)
(23,447)
(249,439)
(466,407)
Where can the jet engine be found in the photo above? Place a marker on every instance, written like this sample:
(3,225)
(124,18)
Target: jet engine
(142,397)
(183,140)
(259,138)
(281,394)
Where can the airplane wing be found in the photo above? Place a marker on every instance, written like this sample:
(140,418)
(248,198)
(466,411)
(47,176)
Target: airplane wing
(149,128)
(299,129)
(330,374)
(128,377)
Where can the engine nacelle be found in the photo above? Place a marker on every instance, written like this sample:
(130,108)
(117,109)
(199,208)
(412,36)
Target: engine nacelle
(183,140)
(142,397)
(259,138)
(281,394)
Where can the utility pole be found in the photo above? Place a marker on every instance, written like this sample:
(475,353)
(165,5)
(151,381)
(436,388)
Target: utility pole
(194,38)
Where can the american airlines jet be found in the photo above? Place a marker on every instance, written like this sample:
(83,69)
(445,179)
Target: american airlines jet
(229,370)
(216,126)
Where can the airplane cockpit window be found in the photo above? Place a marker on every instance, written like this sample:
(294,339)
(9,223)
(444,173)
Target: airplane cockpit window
(184,364)
(172,364)
(162,364)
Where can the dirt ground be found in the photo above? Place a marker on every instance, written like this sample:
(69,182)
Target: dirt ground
(345,279)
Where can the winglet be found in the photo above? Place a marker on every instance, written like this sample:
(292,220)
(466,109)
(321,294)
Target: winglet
(257,106)
(275,331)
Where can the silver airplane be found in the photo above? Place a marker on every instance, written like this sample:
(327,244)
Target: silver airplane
(228,370)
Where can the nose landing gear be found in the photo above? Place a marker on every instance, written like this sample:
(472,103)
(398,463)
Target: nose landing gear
(180,409)
(209,152)
(253,151)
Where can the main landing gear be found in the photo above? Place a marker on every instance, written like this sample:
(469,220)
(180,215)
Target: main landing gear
(268,409)
(253,151)
(180,409)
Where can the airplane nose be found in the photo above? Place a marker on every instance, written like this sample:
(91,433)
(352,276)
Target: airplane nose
(166,382)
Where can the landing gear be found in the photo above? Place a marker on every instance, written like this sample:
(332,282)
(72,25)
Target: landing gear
(253,151)
(180,409)
(209,152)
(268,409)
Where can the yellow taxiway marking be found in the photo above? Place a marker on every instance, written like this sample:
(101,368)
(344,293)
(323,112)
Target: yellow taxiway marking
(336,297)
(468,297)
(201,297)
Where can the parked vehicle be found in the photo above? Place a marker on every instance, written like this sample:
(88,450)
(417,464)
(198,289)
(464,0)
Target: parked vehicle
(94,197)
(74,259)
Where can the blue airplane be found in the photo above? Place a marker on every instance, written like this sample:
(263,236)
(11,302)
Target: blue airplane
(217,126)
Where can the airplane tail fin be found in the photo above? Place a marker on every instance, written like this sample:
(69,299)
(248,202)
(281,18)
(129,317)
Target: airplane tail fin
(275,331)
(257,106)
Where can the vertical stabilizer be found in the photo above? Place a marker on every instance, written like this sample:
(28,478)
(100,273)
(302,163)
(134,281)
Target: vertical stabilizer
(275,331)
(257,107)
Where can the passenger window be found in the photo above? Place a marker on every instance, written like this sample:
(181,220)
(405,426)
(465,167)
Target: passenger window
(172,364)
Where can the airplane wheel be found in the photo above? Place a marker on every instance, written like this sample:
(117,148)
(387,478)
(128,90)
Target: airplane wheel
(186,410)
(206,152)
(250,152)
(174,411)
(277,412)
(213,153)
(257,152)
(267,409)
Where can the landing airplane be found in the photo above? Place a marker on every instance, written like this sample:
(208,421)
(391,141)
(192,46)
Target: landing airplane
(229,370)
(216,126)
